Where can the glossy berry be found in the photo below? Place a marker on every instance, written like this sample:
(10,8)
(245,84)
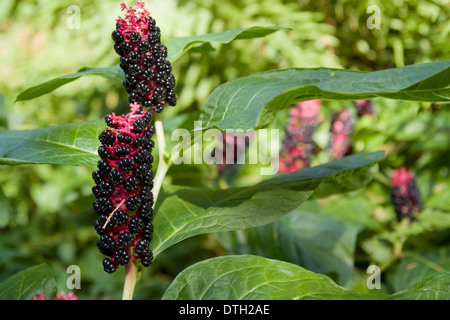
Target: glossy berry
(147,232)
(124,138)
(103,153)
(115,177)
(135,224)
(131,184)
(126,164)
(108,266)
(141,247)
(133,203)
(147,259)
(103,167)
(125,239)
(107,137)
(121,256)
(119,218)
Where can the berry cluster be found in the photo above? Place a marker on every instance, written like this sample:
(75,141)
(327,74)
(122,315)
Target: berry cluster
(339,144)
(124,176)
(124,180)
(148,78)
(297,145)
(363,107)
(405,194)
(233,150)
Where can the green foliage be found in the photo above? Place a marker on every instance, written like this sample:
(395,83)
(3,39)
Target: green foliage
(185,212)
(253,101)
(247,277)
(310,234)
(29,283)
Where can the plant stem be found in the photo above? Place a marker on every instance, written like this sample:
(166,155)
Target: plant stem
(163,165)
(131,278)
(132,274)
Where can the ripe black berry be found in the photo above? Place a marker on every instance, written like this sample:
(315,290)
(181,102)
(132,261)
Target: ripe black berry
(141,170)
(135,37)
(131,184)
(125,239)
(141,248)
(108,266)
(117,36)
(121,256)
(107,137)
(121,151)
(143,156)
(126,164)
(147,232)
(135,224)
(119,218)
(103,153)
(145,192)
(147,259)
(143,46)
(116,177)
(103,167)
(133,203)
(146,210)
(171,97)
(96,176)
(124,138)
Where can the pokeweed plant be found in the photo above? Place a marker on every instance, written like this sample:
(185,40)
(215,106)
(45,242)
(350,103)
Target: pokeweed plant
(136,222)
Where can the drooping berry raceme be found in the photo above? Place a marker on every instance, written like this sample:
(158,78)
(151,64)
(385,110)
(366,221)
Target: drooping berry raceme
(298,145)
(405,194)
(339,144)
(123,184)
(124,176)
(148,74)
(363,107)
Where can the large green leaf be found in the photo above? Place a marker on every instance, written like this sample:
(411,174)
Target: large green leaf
(418,264)
(113,72)
(249,277)
(252,102)
(178,46)
(70,144)
(314,241)
(29,283)
(175,47)
(185,212)
(435,286)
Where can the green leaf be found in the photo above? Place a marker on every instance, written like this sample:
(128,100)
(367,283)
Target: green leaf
(29,283)
(70,144)
(418,264)
(252,102)
(435,286)
(113,72)
(316,242)
(249,277)
(179,46)
(175,47)
(185,212)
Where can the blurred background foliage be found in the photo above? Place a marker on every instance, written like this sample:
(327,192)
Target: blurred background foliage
(45,211)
